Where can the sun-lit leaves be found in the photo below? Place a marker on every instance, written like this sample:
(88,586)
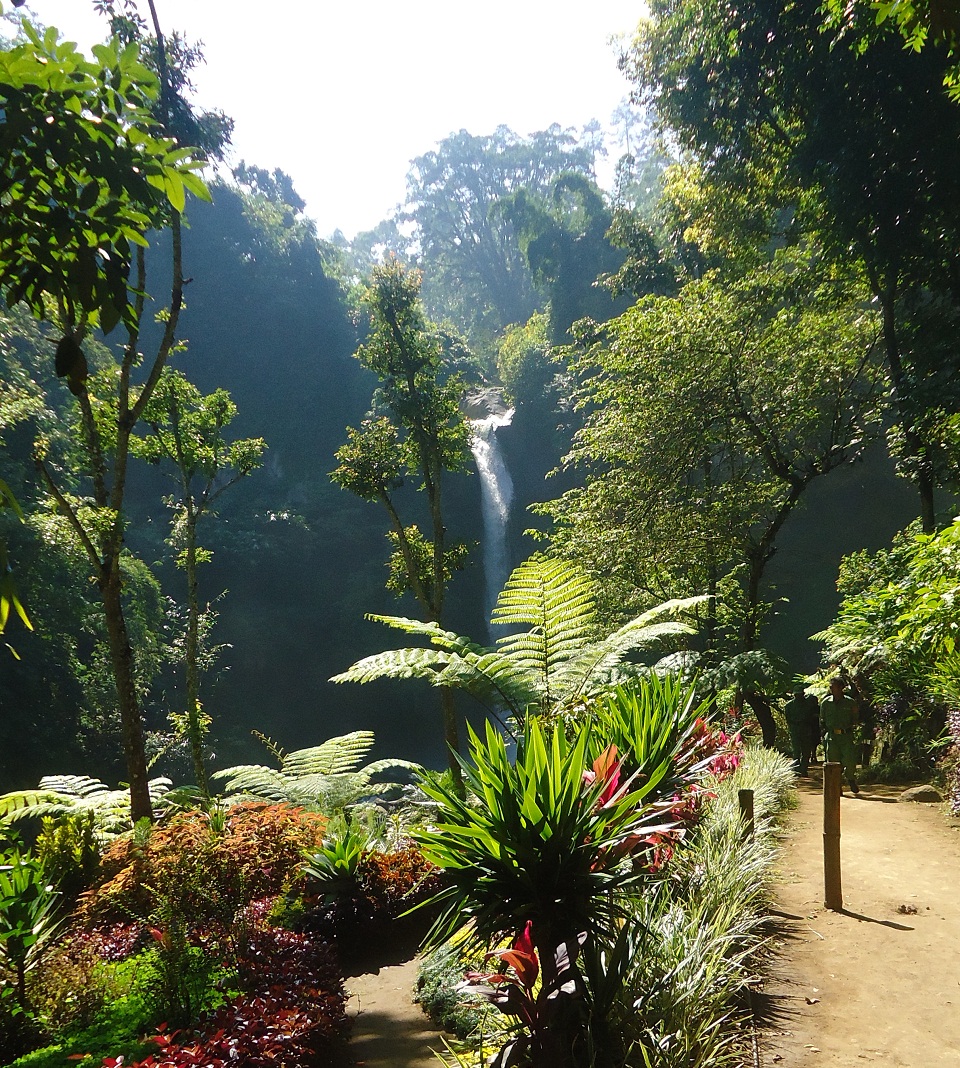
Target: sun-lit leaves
(85,174)
(709,414)
(559,657)
(538,846)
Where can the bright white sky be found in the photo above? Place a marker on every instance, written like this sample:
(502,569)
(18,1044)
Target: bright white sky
(342,94)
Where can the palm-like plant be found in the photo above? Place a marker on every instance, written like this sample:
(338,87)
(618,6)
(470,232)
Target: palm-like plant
(326,776)
(656,726)
(558,658)
(548,840)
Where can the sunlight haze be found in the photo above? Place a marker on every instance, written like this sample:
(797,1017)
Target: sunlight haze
(342,97)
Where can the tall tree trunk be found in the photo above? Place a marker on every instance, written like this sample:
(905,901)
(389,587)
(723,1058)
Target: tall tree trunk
(195,729)
(451,735)
(121,654)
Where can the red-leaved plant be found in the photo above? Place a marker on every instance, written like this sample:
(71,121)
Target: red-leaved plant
(539,1002)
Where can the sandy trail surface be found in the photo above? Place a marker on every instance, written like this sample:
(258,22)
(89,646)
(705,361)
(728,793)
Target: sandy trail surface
(879,982)
(389,1029)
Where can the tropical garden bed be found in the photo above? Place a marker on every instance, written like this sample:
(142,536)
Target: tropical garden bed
(593,895)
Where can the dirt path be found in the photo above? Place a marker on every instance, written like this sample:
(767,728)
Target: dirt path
(389,1029)
(878,983)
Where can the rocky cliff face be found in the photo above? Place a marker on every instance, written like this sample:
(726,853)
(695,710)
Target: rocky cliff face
(481,403)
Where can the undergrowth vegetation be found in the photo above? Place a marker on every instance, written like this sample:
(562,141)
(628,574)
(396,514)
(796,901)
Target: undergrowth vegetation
(592,902)
(669,987)
(207,939)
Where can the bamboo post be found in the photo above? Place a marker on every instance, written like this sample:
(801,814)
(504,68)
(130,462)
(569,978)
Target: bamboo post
(746,811)
(832,892)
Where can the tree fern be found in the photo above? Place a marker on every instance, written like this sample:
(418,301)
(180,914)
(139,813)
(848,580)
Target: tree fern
(559,656)
(59,795)
(326,776)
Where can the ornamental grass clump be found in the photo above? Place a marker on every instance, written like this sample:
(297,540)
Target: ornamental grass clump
(703,929)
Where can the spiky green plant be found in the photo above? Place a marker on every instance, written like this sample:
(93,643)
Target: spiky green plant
(539,842)
(559,658)
(327,776)
(653,722)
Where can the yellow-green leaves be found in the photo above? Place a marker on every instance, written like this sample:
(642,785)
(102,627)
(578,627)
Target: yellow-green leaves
(85,174)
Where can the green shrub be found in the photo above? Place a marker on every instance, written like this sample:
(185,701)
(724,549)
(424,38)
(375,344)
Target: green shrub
(69,852)
(439,975)
(71,988)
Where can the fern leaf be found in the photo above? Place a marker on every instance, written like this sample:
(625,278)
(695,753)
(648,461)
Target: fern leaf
(555,599)
(79,786)
(22,804)
(255,780)
(433,632)
(334,757)
(397,664)
(670,608)
(376,767)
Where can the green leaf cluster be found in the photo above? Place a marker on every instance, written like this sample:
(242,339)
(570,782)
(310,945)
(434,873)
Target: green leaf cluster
(28,919)
(78,795)
(85,174)
(707,416)
(897,625)
(535,844)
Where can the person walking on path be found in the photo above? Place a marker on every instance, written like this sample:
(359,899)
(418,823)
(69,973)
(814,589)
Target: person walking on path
(804,729)
(812,728)
(838,713)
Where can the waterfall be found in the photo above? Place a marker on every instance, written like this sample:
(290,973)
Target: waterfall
(496,496)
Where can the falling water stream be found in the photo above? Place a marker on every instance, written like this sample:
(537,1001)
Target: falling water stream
(496,496)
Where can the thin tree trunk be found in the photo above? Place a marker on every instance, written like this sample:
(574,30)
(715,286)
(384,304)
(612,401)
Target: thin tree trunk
(191,658)
(121,654)
(916,447)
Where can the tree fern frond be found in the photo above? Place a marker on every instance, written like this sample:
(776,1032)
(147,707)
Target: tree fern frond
(334,757)
(672,608)
(397,664)
(540,590)
(79,786)
(500,682)
(255,780)
(433,632)
(376,767)
(21,804)
(59,795)
(555,599)
(551,661)
(601,663)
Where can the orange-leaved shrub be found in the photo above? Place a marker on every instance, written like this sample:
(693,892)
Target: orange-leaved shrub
(204,869)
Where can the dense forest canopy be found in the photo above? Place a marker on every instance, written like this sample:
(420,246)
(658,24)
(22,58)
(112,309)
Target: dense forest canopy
(768,296)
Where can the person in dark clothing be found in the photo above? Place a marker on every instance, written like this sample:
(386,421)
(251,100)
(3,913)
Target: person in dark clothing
(797,714)
(813,728)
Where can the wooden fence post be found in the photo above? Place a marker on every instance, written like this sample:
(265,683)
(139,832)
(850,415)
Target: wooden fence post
(832,892)
(746,811)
